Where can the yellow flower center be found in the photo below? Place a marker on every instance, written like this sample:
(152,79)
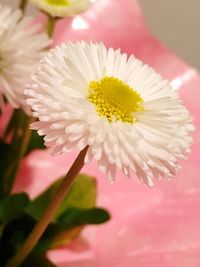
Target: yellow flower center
(58,2)
(114,99)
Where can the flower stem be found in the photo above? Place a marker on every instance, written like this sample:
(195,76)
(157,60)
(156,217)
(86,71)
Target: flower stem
(23,5)
(51,210)
(22,144)
(26,138)
(51,23)
(18,130)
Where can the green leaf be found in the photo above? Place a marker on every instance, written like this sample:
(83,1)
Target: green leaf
(76,217)
(36,142)
(39,260)
(13,206)
(64,237)
(82,194)
(77,210)
(38,206)
(14,234)
(69,226)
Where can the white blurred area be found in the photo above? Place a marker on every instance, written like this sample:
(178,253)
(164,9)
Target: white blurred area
(175,22)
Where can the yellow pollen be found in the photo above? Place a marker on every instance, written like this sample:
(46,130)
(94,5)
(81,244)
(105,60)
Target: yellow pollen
(115,100)
(58,2)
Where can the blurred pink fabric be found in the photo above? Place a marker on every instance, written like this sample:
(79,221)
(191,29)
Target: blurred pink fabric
(149,227)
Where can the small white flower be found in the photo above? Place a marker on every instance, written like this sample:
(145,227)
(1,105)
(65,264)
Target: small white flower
(84,94)
(61,8)
(21,46)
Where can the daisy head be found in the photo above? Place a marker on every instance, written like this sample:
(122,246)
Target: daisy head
(84,94)
(21,46)
(61,8)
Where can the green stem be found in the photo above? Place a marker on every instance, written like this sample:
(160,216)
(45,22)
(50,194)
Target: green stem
(51,23)
(23,5)
(51,210)
(22,143)
(25,138)
(16,122)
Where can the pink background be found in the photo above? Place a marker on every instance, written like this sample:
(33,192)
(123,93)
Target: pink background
(149,227)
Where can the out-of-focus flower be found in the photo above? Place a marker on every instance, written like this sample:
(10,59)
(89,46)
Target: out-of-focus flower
(21,46)
(61,8)
(85,94)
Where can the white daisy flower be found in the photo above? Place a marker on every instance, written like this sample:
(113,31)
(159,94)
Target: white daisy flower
(61,8)
(21,46)
(132,119)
